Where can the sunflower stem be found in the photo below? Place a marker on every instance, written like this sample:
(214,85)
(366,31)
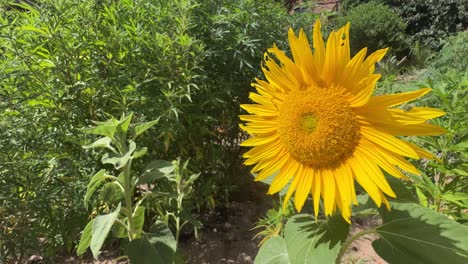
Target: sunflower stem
(350,240)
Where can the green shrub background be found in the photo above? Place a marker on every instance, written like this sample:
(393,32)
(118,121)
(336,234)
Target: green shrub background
(64,64)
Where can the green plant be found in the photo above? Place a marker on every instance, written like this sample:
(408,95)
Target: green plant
(429,22)
(453,54)
(442,184)
(376,26)
(127,220)
(272,224)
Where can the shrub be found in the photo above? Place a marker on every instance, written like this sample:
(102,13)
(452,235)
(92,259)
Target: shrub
(376,26)
(453,54)
(428,21)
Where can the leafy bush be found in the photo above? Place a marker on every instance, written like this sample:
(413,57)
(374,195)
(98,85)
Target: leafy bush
(453,54)
(428,21)
(65,63)
(376,26)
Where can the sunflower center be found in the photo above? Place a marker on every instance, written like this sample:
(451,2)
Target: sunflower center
(318,127)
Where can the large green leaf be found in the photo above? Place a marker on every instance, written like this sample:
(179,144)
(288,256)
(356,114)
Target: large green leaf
(155,170)
(95,182)
(306,241)
(101,227)
(158,246)
(140,128)
(107,129)
(119,161)
(85,238)
(311,241)
(100,143)
(274,251)
(142,252)
(414,234)
(111,193)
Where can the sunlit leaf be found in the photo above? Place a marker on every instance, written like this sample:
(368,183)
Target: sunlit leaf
(101,227)
(414,234)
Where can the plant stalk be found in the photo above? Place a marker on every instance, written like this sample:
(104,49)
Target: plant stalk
(350,240)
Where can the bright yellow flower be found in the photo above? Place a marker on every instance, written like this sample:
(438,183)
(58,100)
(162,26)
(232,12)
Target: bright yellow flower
(316,125)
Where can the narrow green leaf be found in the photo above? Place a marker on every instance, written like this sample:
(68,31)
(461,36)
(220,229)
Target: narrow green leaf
(274,251)
(85,238)
(140,153)
(124,123)
(100,143)
(414,234)
(119,162)
(101,227)
(139,129)
(311,241)
(95,182)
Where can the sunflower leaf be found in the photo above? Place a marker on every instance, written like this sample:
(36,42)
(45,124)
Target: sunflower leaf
(306,241)
(411,233)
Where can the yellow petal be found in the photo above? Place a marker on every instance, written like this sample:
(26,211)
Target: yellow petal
(260,110)
(373,172)
(388,141)
(257,141)
(319,46)
(275,166)
(329,188)
(302,54)
(387,100)
(303,187)
(316,191)
(289,170)
(291,190)
(362,177)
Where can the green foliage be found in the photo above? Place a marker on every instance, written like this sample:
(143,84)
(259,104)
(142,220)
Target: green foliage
(453,54)
(306,241)
(376,26)
(443,184)
(272,224)
(117,136)
(414,234)
(428,21)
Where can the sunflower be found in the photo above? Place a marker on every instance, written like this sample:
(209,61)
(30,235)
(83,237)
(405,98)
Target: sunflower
(316,125)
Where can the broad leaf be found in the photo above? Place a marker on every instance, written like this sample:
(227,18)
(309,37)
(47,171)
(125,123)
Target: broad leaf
(274,251)
(311,241)
(414,234)
(95,182)
(85,238)
(111,193)
(101,227)
(119,162)
(306,241)
(100,143)
(103,129)
(142,252)
(158,246)
(156,170)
